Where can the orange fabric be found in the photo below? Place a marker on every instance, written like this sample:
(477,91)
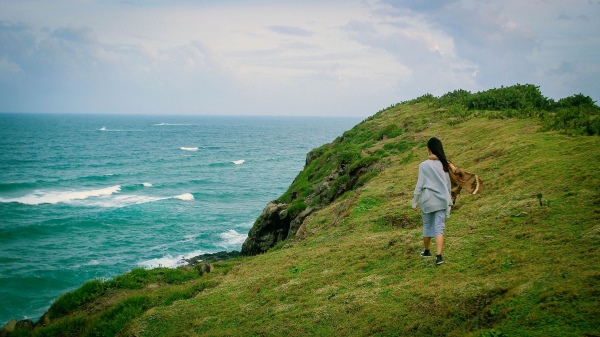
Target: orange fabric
(463,180)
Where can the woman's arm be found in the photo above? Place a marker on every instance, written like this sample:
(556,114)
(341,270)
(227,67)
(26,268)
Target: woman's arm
(418,188)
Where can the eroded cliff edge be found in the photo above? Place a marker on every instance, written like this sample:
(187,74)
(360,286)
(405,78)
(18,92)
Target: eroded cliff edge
(330,171)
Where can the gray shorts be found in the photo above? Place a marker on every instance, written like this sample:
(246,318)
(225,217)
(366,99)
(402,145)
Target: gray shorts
(434,223)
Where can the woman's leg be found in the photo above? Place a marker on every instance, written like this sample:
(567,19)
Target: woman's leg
(427,243)
(440,225)
(439,243)
(428,229)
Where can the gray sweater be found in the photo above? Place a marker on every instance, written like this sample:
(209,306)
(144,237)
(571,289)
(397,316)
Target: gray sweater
(433,187)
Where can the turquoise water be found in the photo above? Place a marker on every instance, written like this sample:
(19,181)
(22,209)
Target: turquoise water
(93,196)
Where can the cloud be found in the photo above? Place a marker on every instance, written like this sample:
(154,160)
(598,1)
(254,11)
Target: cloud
(564,68)
(427,54)
(288,30)
(271,57)
(564,16)
(508,42)
(17,40)
(83,35)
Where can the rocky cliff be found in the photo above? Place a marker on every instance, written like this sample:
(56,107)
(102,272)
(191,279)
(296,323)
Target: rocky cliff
(327,175)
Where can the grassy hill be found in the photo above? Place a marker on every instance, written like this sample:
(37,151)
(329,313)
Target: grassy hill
(522,259)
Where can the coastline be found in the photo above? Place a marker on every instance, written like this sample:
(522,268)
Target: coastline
(29,324)
(213,257)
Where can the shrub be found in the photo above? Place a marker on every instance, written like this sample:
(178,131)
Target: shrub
(576,120)
(456,97)
(181,294)
(176,275)
(578,100)
(135,279)
(70,301)
(365,204)
(365,178)
(363,163)
(576,115)
(427,98)
(115,319)
(278,246)
(390,131)
(399,147)
(296,208)
(348,156)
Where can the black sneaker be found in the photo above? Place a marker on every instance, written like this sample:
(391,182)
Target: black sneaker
(425,253)
(438,260)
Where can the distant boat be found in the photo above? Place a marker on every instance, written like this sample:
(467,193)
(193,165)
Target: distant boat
(103,128)
(238,162)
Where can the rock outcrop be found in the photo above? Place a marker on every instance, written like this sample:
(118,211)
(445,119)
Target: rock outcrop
(212,257)
(272,226)
(280,221)
(17,326)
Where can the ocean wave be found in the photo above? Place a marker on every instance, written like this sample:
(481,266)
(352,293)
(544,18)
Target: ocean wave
(116,196)
(189,238)
(172,124)
(135,187)
(219,164)
(170,261)
(103,177)
(131,188)
(188,148)
(42,184)
(225,164)
(185,197)
(196,182)
(118,130)
(55,197)
(124,200)
(232,238)
(11,187)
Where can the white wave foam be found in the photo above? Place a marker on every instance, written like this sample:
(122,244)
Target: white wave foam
(169,261)
(190,238)
(185,197)
(189,148)
(122,201)
(104,197)
(103,128)
(54,197)
(239,162)
(232,238)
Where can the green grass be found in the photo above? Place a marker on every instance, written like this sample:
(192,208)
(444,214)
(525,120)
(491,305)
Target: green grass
(103,308)
(513,267)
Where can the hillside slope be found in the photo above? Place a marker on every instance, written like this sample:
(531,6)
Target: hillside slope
(522,259)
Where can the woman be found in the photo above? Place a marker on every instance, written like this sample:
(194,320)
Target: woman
(434,191)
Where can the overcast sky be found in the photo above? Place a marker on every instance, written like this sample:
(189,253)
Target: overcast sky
(339,58)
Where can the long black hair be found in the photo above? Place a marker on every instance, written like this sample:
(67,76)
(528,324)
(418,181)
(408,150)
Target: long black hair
(435,146)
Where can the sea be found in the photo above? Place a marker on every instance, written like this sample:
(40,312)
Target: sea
(92,196)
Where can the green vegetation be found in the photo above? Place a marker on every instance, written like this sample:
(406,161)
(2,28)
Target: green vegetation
(522,259)
(574,115)
(138,278)
(296,207)
(103,308)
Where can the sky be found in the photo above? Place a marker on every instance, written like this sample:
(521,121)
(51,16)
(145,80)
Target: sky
(305,58)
